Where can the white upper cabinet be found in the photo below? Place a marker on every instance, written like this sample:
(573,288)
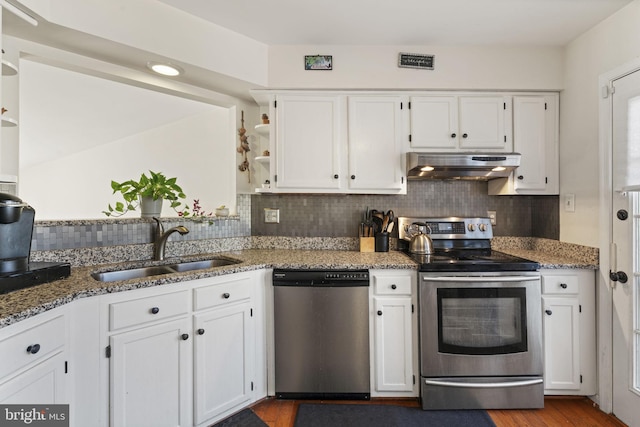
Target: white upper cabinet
(375,144)
(334,143)
(535,137)
(308,143)
(451,123)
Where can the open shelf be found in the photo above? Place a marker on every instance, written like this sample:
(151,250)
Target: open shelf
(263,130)
(8,68)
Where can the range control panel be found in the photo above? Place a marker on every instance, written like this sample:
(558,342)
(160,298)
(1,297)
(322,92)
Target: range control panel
(446,228)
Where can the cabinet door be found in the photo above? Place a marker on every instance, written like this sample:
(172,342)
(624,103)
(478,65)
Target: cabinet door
(149,378)
(223,353)
(529,136)
(43,384)
(434,122)
(483,123)
(393,344)
(375,143)
(308,135)
(561,325)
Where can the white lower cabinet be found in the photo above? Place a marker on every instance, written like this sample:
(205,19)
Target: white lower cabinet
(149,375)
(394,341)
(194,365)
(224,352)
(34,360)
(568,315)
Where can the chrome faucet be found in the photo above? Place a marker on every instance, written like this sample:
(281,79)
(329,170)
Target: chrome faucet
(161,238)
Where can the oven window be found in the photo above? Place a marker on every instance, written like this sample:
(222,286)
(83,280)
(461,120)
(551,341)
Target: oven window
(482,320)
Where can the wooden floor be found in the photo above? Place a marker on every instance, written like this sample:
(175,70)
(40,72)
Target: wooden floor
(558,411)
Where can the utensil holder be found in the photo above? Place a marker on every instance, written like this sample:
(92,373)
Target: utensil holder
(367,244)
(382,242)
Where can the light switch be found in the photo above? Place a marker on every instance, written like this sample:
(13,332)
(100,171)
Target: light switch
(570,202)
(271,216)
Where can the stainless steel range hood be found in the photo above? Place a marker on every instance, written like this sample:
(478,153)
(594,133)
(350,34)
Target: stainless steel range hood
(468,166)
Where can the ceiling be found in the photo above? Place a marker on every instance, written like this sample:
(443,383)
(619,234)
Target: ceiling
(405,22)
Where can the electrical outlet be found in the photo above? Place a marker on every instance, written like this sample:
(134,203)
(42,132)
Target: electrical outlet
(492,217)
(570,202)
(271,216)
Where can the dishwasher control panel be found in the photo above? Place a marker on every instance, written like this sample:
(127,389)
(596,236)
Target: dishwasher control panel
(285,277)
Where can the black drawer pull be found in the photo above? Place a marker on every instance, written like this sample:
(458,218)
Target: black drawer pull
(379,312)
(393,286)
(563,285)
(549,312)
(155,310)
(200,331)
(33,349)
(184,337)
(226,295)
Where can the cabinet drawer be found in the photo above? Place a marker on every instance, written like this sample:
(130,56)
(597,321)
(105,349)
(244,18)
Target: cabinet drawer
(392,285)
(149,309)
(31,345)
(560,284)
(222,293)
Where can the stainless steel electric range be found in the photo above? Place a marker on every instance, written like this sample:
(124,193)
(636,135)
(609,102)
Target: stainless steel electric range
(480,319)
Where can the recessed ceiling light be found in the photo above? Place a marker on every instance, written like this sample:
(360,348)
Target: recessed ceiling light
(165,68)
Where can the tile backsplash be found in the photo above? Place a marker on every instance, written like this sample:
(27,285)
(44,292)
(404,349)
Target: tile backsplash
(328,215)
(322,215)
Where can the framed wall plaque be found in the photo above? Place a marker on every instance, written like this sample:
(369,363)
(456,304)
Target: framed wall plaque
(318,62)
(415,60)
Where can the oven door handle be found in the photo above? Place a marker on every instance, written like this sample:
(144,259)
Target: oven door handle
(484,385)
(481,278)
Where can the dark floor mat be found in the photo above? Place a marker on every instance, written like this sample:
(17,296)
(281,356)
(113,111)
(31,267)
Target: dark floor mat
(244,418)
(333,415)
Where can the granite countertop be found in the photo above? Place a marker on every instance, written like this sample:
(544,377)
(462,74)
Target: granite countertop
(22,304)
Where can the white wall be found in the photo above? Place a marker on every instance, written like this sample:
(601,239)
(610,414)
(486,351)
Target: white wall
(375,67)
(609,45)
(156,27)
(66,187)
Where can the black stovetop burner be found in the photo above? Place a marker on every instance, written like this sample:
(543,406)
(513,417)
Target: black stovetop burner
(460,245)
(473,260)
(35,274)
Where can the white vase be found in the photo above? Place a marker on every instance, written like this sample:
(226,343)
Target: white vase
(150,207)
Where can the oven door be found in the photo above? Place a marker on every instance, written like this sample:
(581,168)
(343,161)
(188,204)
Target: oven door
(488,324)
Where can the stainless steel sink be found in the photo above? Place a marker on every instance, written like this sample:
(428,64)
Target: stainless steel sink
(202,265)
(138,273)
(134,273)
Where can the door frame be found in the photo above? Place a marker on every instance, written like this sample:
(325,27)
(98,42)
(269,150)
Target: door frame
(604,292)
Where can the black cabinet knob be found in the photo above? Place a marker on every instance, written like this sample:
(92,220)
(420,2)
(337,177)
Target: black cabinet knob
(393,286)
(200,331)
(336,176)
(379,312)
(453,135)
(155,310)
(353,177)
(563,285)
(464,135)
(226,295)
(33,349)
(520,177)
(549,312)
(184,337)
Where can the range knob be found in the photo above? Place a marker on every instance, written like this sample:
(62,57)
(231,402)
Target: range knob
(471,227)
(482,227)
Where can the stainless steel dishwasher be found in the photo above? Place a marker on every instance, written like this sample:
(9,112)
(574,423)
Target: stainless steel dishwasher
(321,323)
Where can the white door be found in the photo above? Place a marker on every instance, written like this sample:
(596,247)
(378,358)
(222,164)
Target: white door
(625,251)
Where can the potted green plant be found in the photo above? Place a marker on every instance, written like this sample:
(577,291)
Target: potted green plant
(148,192)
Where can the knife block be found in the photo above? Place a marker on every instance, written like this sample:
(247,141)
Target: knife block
(367,244)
